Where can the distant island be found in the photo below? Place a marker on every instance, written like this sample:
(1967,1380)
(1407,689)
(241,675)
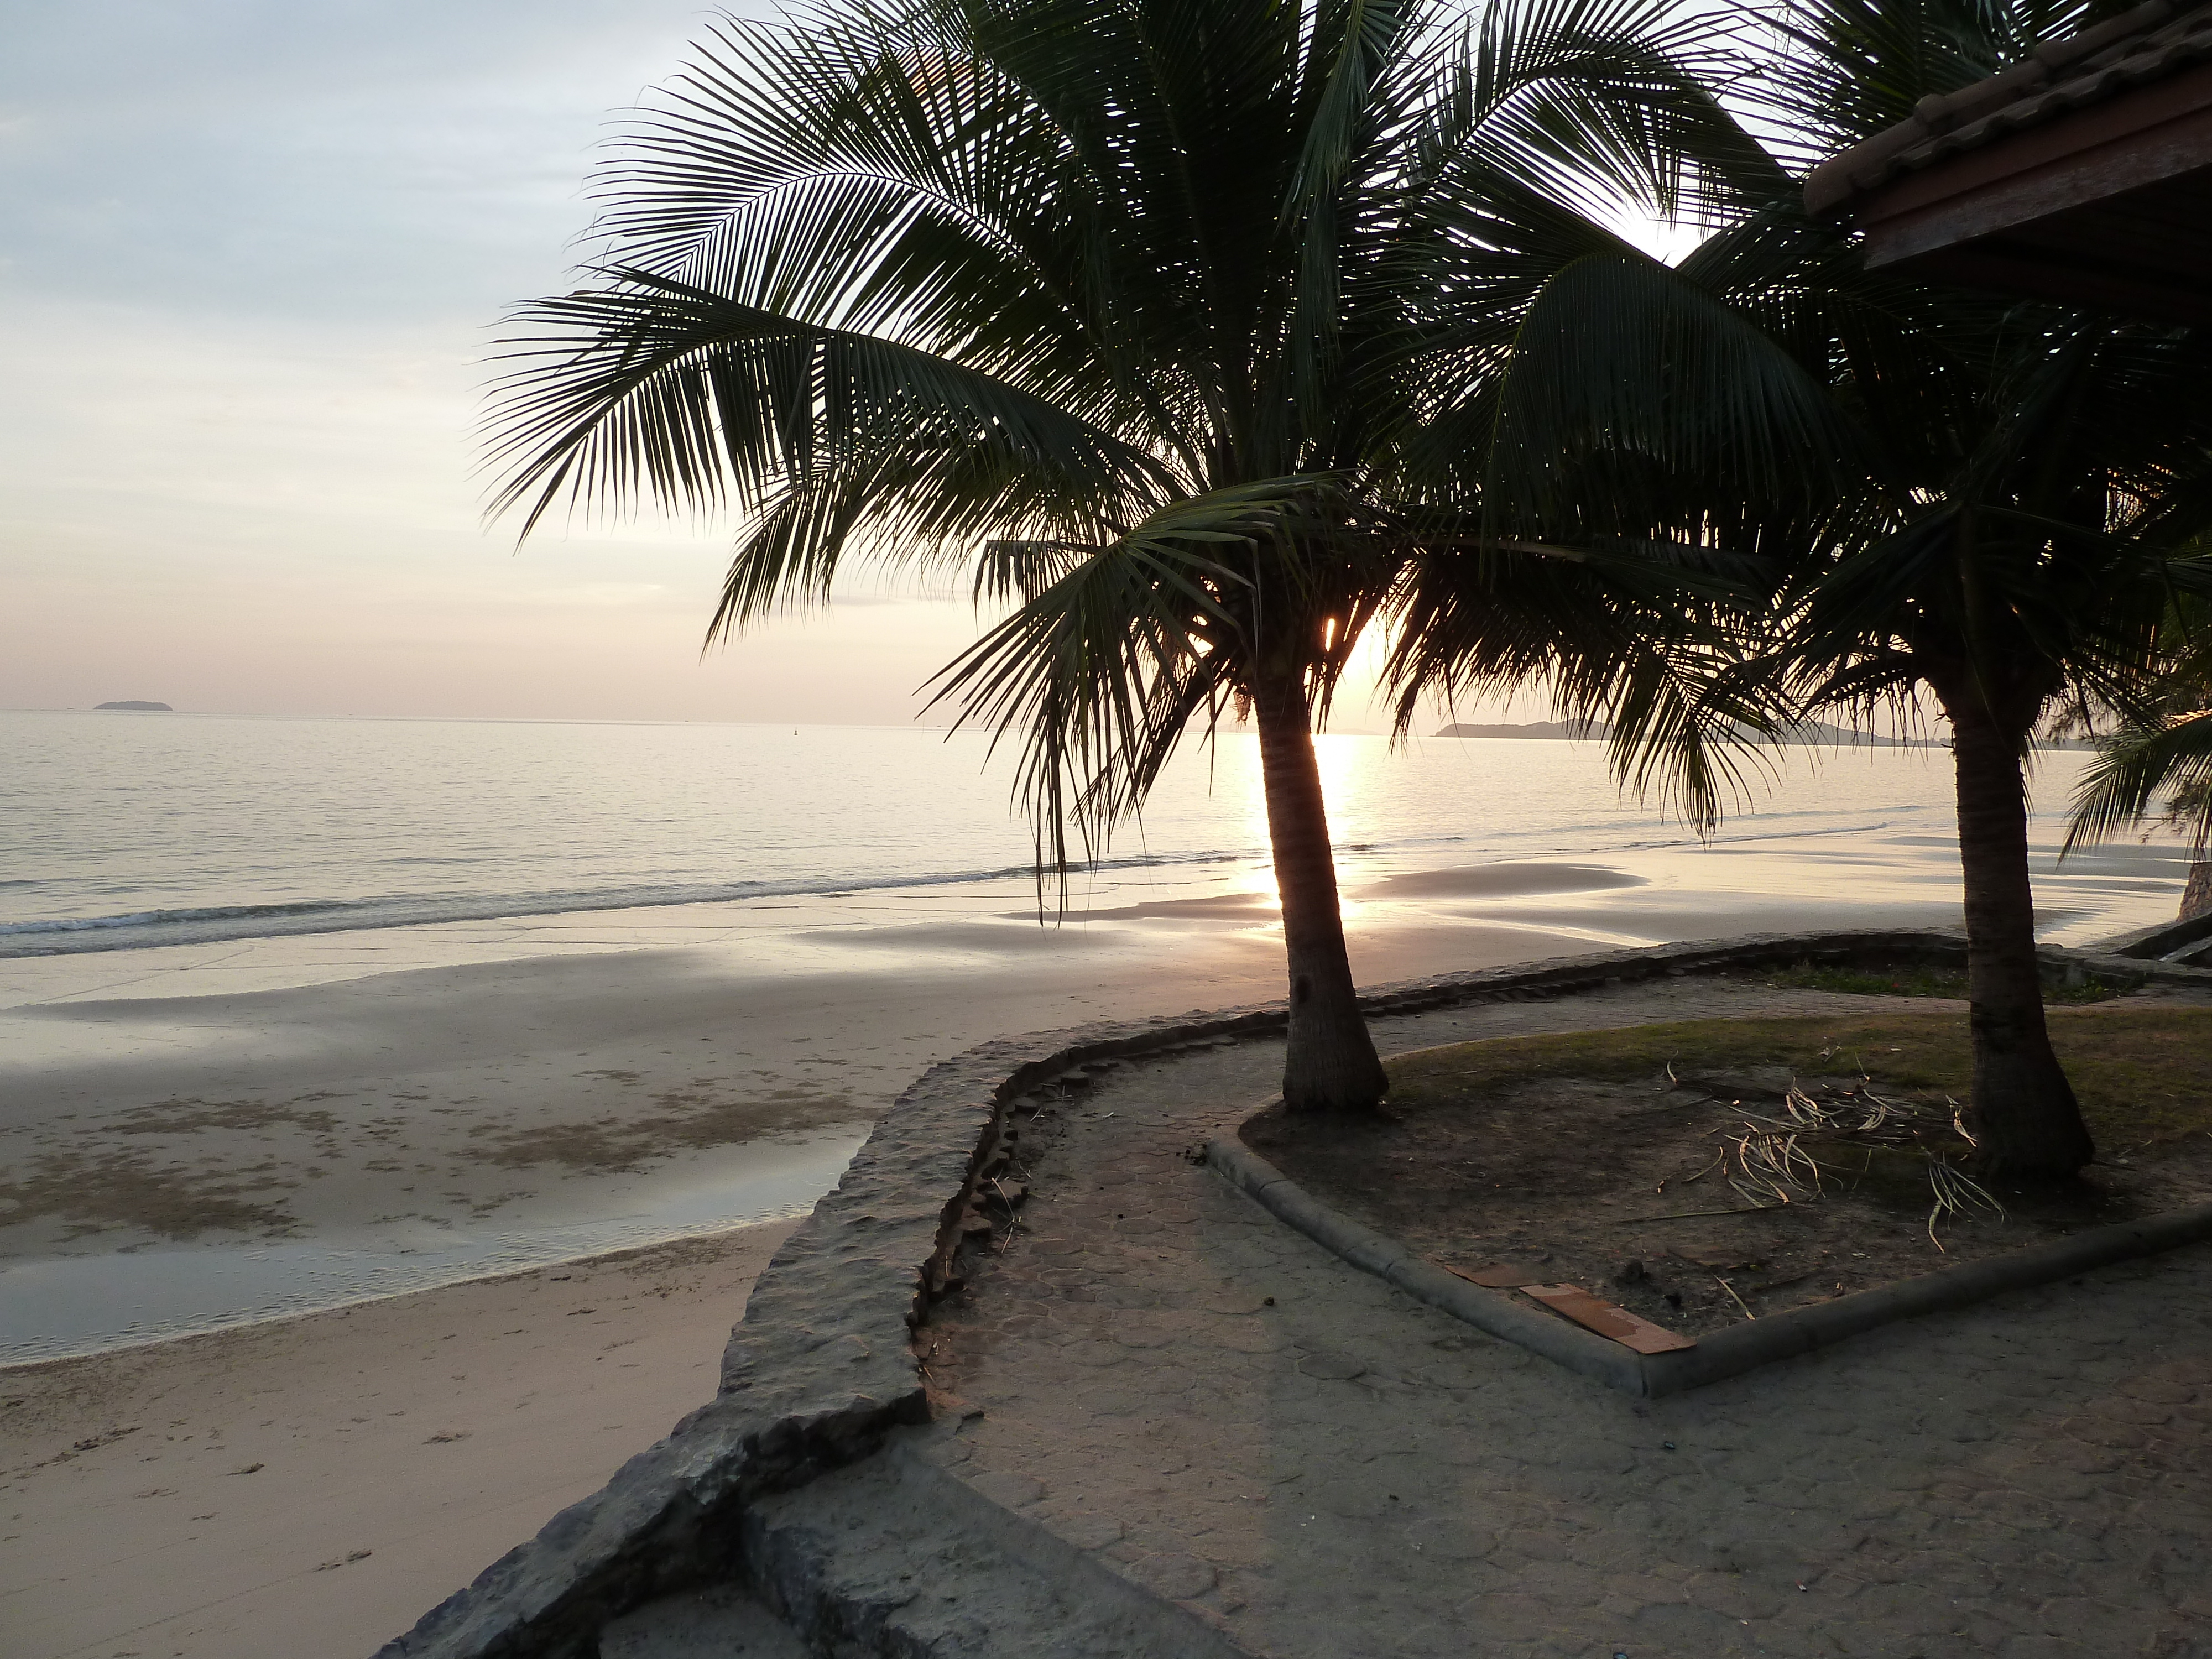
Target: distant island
(1811,731)
(136,707)
(1534,729)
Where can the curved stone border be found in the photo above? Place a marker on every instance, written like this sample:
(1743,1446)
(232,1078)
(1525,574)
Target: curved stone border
(2181,940)
(1725,1353)
(820,1368)
(816,1373)
(1556,1339)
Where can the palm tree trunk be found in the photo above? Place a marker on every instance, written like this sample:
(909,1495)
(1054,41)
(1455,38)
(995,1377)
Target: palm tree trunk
(2196,897)
(1331,1064)
(2022,1113)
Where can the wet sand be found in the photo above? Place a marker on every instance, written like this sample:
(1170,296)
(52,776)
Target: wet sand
(634,1078)
(312,1486)
(195,1134)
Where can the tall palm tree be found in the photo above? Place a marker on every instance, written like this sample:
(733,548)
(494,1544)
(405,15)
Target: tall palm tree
(2026,509)
(1984,503)
(2023,567)
(1106,302)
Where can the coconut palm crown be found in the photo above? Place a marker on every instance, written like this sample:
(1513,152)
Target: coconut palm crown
(1108,304)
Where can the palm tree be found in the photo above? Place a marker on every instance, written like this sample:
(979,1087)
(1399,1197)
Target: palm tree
(1982,502)
(2025,569)
(1107,303)
(2026,509)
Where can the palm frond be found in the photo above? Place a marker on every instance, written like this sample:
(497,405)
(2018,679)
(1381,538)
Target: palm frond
(2131,771)
(654,390)
(1098,674)
(1621,353)
(1625,639)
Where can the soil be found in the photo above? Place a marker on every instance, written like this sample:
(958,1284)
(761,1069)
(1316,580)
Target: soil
(1608,1184)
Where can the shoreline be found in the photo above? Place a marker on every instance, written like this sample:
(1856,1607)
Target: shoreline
(19,1370)
(311,1484)
(40,1289)
(1436,800)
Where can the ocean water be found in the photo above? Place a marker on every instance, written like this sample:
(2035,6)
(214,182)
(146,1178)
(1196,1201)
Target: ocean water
(124,830)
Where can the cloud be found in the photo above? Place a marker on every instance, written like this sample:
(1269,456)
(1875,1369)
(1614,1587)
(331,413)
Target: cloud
(406,157)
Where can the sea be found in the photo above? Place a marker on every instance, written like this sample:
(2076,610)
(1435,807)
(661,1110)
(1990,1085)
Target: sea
(122,830)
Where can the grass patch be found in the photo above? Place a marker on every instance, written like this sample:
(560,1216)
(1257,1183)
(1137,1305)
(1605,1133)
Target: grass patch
(2141,1073)
(1919,980)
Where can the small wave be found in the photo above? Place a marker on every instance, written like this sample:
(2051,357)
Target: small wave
(157,918)
(209,924)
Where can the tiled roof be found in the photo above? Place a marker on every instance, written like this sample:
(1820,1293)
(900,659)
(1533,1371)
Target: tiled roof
(2148,43)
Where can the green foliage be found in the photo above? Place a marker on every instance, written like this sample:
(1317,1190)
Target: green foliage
(2166,750)
(1938,486)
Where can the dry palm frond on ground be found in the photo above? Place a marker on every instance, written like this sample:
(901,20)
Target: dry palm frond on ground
(1791,1155)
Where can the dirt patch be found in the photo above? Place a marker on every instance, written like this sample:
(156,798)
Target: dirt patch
(679,1119)
(1616,1160)
(91,1194)
(180,1116)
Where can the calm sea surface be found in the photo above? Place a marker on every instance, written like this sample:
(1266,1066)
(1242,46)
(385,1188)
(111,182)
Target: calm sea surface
(120,831)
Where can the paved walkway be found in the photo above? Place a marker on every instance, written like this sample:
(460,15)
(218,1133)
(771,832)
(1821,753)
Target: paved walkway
(1229,1415)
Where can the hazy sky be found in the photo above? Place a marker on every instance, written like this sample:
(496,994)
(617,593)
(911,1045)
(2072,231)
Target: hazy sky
(251,256)
(251,259)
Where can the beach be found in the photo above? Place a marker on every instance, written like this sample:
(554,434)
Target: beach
(311,1485)
(730,793)
(199,1135)
(340,1167)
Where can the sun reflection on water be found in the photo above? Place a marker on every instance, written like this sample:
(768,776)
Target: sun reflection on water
(1347,764)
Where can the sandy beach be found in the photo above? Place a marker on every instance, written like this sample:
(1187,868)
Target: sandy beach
(311,1485)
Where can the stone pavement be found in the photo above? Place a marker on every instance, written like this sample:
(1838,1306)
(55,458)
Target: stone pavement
(1208,1403)
(895,1556)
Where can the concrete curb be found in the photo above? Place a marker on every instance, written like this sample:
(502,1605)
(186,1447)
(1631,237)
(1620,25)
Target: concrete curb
(1727,1353)
(820,1368)
(1742,1347)
(1556,1340)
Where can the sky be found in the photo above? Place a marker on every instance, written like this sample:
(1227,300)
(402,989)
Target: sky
(253,257)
